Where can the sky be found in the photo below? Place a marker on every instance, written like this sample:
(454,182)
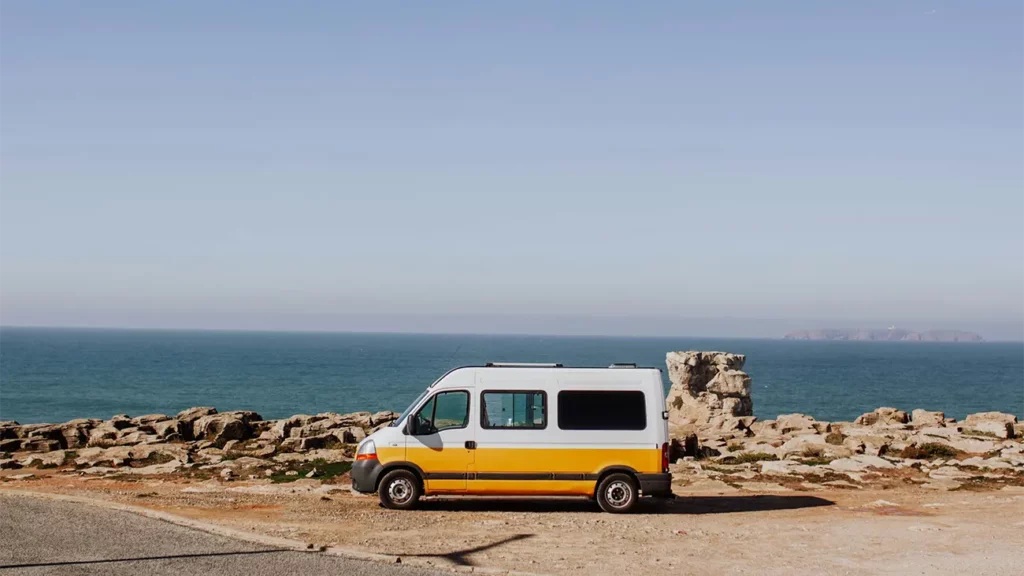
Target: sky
(437,167)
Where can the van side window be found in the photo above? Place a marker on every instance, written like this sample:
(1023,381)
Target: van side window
(514,409)
(446,410)
(602,410)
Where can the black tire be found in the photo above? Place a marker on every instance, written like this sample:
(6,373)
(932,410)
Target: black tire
(400,490)
(617,493)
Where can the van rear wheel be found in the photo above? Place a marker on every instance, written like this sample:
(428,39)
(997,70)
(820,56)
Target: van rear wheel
(617,493)
(399,490)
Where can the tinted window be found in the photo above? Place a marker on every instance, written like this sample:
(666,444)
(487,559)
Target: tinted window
(602,410)
(443,411)
(526,409)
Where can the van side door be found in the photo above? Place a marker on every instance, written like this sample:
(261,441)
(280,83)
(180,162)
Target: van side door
(443,441)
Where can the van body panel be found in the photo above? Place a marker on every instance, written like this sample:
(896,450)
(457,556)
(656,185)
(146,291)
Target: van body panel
(485,457)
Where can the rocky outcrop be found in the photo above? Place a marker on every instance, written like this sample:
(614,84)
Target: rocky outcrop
(885,334)
(709,390)
(152,443)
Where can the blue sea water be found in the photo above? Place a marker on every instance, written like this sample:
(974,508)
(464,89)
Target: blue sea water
(53,375)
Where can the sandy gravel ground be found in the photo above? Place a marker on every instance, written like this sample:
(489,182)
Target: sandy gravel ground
(755,530)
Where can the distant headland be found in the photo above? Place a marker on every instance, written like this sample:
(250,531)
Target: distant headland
(892,334)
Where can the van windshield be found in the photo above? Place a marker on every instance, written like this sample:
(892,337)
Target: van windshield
(409,409)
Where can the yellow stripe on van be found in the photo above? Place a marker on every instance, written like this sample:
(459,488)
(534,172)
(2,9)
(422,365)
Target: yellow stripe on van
(526,461)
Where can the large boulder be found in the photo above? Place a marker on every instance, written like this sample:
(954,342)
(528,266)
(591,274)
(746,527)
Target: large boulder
(219,428)
(922,418)
(706,385)
(997,424)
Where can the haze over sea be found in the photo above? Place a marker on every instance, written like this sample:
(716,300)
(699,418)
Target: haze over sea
(53,375)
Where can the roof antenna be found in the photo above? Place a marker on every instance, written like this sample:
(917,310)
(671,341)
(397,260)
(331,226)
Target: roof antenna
(452,357)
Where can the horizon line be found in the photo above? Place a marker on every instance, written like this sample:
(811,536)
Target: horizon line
(459,333)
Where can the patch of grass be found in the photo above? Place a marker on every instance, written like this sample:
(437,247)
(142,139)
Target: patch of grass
(734,447)
(835,438)
(748,457)
(326,471)
(929,451)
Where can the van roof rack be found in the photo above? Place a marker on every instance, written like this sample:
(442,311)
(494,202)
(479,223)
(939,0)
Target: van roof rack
(521,365)
(623,365)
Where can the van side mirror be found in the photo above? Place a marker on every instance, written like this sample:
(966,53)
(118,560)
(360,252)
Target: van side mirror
(410,426)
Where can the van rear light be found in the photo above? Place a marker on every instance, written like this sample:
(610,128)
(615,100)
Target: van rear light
(664,457)
(367,451)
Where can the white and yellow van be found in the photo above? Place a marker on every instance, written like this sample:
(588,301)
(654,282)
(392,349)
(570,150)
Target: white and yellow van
(522,429)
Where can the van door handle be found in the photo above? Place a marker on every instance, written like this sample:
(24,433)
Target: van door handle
(470,445)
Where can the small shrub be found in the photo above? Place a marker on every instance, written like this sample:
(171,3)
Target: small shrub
(734,447)
(929,451)
(813,452)
(748,457)
(835,438)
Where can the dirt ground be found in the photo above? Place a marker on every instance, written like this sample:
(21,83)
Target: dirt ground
(758,529)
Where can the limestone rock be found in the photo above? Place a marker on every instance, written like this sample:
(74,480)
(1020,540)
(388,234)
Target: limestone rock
(921,418)
(40,445)
(192,414)
(991,421)
(103,435)
(219,428)
(992,428)
(383,417)
(121,421)
(150,419)
(706,385)
(46,460)
(9,429)
(9,464)
(859,463)
(10,445)
(882,416)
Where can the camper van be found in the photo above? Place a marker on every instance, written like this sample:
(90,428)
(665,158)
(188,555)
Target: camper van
(525,429)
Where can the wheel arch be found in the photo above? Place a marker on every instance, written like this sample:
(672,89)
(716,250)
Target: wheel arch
(400,465)
(615,469)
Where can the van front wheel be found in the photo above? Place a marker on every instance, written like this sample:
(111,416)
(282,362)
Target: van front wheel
(617,493)
(399,490)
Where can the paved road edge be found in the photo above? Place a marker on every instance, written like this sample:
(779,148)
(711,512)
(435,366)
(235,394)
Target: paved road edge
(277,542)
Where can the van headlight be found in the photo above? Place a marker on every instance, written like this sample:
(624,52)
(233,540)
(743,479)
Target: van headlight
(367,451)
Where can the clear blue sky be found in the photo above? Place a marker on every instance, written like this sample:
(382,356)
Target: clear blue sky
(267,165)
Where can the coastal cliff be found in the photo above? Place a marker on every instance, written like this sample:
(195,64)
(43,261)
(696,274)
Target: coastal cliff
(886,335)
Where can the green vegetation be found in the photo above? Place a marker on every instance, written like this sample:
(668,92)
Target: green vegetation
(734,447)
(929,451)
(748,457)
(325,471)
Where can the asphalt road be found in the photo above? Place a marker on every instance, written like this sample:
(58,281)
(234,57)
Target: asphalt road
(46,537)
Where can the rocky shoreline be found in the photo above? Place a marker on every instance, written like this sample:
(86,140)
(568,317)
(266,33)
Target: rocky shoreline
(713,428)
(715,438)
(194,441)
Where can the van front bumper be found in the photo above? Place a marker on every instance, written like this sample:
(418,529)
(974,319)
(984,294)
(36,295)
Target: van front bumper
(365,474)
(657,485)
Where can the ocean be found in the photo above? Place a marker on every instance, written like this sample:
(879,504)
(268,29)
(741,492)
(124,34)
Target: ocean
(54,375)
